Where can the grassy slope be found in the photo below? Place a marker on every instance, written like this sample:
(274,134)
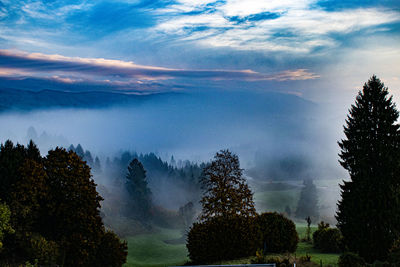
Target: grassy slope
(148,250)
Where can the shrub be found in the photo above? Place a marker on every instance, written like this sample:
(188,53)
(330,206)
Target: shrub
(221,238)
(394,253)
(327,239)
(276,233)
(44,251)
(305,258)
(378,263)
(281,262)
(260,258)
(348,259)
(111,251)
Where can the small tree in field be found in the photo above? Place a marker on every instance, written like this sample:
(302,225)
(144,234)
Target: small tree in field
(226,193)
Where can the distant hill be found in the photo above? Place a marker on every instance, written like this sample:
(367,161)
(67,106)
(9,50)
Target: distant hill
(276,134)
(251,103)
(25,100)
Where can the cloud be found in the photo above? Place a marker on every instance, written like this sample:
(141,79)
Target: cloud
(256,24)
(98,69)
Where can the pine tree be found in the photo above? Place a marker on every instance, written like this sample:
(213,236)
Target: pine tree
(369,211)
(308,202)
(88,158)
(79,151)
(139,192)
(225,190)
(97,165)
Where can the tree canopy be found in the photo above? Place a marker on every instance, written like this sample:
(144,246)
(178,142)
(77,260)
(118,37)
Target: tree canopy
(226,192)
(369,211)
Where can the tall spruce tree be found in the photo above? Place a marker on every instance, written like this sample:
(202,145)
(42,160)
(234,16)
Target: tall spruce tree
(369,211)
(225,190)
(139,192)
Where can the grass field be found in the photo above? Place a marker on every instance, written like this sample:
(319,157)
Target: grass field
(148,250)
(304,248)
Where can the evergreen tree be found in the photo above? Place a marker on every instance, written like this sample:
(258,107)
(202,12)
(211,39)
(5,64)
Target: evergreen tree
(11,160)
(79,151)
(88,158)
(225,190)
(308,202)
(97,165)
(139,192)
(369,211)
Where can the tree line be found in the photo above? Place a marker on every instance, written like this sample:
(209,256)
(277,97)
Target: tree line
(51,211)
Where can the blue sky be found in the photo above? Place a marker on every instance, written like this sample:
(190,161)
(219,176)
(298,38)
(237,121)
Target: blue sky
(321,50)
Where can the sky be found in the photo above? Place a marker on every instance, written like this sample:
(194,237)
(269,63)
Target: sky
(320,50)
(234,50)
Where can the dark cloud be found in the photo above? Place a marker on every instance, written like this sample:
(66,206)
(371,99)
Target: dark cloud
(40,63)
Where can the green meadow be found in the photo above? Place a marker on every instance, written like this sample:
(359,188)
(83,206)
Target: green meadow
(166,247)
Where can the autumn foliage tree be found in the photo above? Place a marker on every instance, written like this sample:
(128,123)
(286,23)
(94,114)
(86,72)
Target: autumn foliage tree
(226,229)
(72,198)
(226,192)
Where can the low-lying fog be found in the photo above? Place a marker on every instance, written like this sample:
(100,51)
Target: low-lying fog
(276,136)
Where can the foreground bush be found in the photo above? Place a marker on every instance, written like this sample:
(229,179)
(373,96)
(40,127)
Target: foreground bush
(350,259)
(276,233)
(394,253)
(221,238)
(227,238)
(327,239)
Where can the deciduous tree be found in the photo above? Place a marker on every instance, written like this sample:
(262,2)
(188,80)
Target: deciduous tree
(226,192)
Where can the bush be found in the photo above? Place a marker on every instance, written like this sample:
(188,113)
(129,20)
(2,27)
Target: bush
(281,262)
(259,259)
(327,239)
(221,238)
(350,259)
(394,253)
(227,238)
(276,233)
(381,264)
